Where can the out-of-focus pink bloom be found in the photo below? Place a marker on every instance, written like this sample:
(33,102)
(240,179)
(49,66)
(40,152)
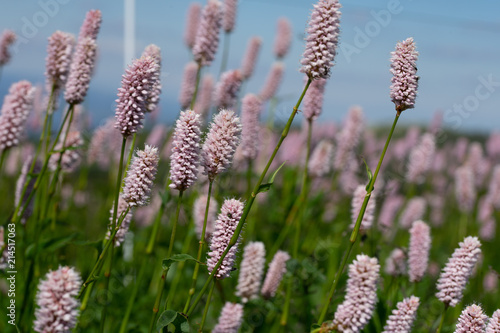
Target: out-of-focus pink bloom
(227,89)
(404,70)
(472,320)
(460,149)
(122,231)
(436,204)
(436,123)
(494,188)
(188,84)
(204,99)
(313,100)
(361,296)
(349,180)
(6,40)
(388,211)
(490,282)
(414,210)
(192,20)
(251,271)
(230,319)
(16,107)
(71,157)
(395,264)
(225,226)
(493,145)
(418,255)
(457,271)
(401,320)
(349,137)
(320,163)
(199,208)
(421,159)
(487,230)
(277,268)
(283,37)
(251,107)
(104,144)
(322,39)
(157,135)
(229,18)
(207,36)
(357,201)
(465,190)
(21,181)
(273,81)
(477,162)
(250,57)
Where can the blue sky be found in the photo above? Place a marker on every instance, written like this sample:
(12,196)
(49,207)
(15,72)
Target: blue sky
(458,43)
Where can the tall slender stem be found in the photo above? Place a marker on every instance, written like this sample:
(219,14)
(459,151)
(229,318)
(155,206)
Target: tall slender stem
(197,84)
(250,201)
(200,249)
(161,283)
(441,322)
(131,152)
(2,159)
(207,306)
(355,232)
(225,54)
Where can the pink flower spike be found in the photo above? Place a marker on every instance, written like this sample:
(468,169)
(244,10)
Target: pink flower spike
(220,144)
(472,320)
(420,245)
(153,99)
(322,39)
(188,84)
(192,20)
(283,37)
(494,323)
(359,303)
(229,18)
(122,231)
(421,158)
(250,57)
(251,107)
(349,137)
(185,151)
(138,84)
(395,264)
(465,190)
(277,268)
(140,177)
(207,37)
(401,320)
(6,40)
(230,319)
(454,277)
(414,210)
(272,82)
(226,90)
(320,163)
(251,271)
(225,226)
(199,208)
(91,25)
(404,70)
(16,107)
(58,59)
(204,100)
(57,303)
(80,72)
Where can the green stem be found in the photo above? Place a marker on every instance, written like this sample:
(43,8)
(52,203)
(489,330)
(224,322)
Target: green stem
(355,232)
(18,211)
(195,93)
(100,260)
(250,201)
(200,249)
(301,203)
(225,54)
(131,152)
(441,322)
(161,283)
(2,159)
(207,306)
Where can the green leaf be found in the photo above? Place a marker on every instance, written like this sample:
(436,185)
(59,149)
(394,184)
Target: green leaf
(56,243)
(176,321)
(166,318)
(370,175)
(266,186)
(177,258)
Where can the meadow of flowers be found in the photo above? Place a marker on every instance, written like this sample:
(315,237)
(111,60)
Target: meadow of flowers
(226,222)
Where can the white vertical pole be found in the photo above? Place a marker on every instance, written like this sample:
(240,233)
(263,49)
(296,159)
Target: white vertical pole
(129,30)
